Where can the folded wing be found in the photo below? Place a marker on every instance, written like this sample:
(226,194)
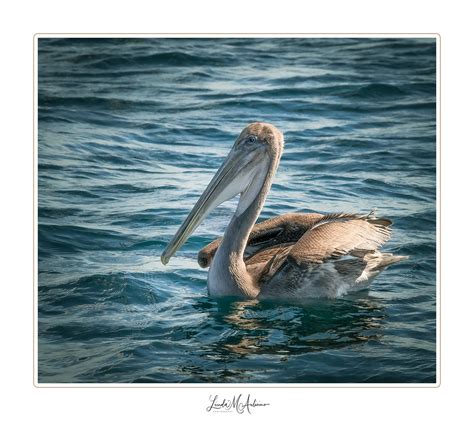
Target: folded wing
(283,229)
(338,235)
(317,254)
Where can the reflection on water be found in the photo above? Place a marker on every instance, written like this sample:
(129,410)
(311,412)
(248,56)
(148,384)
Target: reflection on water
(279,329)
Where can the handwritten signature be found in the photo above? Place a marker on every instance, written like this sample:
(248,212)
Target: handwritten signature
(238,403)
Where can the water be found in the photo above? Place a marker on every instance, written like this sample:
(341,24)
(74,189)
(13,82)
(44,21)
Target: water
(130,133)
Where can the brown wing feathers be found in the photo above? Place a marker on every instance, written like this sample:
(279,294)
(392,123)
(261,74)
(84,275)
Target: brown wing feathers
(338,235)
(310,238)
(279,230)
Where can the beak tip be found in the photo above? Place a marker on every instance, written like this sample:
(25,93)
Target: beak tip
(164,259)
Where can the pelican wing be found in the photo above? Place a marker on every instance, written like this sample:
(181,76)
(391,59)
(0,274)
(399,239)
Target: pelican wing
(283,229)
(331,238)
(337,235)
(263,264)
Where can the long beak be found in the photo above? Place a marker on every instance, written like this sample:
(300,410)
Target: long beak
(224,185)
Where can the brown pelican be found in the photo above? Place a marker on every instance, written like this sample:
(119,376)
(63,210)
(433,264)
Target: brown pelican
(290,255)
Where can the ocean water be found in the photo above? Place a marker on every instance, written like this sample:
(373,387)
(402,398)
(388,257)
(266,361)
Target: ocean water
(130,131)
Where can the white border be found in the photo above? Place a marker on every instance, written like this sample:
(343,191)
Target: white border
(241,385)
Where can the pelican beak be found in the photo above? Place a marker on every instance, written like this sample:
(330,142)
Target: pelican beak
(229,181)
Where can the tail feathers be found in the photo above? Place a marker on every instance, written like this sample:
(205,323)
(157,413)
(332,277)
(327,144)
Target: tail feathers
(378,261)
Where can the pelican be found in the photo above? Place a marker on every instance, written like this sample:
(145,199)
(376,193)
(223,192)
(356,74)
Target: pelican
(291,255)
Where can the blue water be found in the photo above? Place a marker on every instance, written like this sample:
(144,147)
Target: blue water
(130,131)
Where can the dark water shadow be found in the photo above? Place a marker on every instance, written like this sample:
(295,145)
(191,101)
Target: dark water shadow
(274,331)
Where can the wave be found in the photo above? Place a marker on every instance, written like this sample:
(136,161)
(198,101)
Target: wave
(377,90)
(171,59)
(103,103)
(124,288)
(74,238)
(330,89)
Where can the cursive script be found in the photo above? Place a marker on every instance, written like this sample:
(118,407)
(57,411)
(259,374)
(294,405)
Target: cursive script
(237,403)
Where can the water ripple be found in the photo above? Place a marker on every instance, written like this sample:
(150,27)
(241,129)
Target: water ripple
(130,133)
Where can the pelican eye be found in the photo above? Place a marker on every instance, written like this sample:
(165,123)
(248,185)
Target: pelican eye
(251,139)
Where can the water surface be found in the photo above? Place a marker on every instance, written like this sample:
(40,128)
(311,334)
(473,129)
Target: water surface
(130,133)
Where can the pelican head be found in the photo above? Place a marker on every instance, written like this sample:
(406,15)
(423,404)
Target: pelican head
(253,159)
